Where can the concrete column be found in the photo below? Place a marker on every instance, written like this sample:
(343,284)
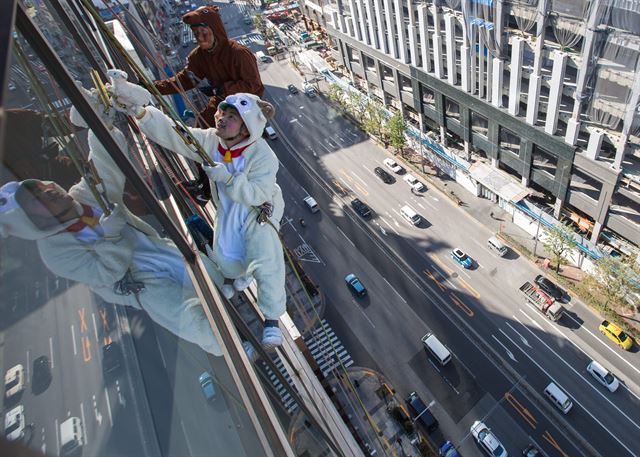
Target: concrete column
(424,36)
(443,136)
(533,98)
(498,75)
(515,80)
(555,94)
(465,58)
(382,28)
(629,116)
(495,162)
(391,28)
(370,23)
(362,21)
(557,207)
(489,86)
(401,29)
(595,143)
(481,72)
(355,16)
(524,181)
(413,38)
(595,233)
(450,46)
(437,42)
(573,130)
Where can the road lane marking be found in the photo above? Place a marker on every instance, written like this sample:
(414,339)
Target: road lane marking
(106,394)
(524,412)
(346,175)
(556,382)
(86,348)
(73,338)
(27,368)
(433,278)
(441,264)
(347,184)
(361,189)
(83,323)
(469,312)
(345,236)
(390,226)
(355,175)
(551,440)
(55,423)
(469,288)
(363,313)
(95,326)
(84,425)
(449,383)
(595,389)
(394,289)
(50,353)
(509,353)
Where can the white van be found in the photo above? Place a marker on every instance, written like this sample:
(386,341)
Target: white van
(410,215)
(436,348)
(495,245)
(270,132)
(312,204)
(261,56)
(558,398)
(71,436)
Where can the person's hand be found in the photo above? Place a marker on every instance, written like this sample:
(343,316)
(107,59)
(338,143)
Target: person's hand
(218,173)
(128,98)
(114,222)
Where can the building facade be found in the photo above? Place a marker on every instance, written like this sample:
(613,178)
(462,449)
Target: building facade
(546,92)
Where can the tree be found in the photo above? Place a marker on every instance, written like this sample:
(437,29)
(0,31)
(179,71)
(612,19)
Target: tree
(336,95)
(617,279)
(558,241)
(355,102)
(374,119)
(395,129)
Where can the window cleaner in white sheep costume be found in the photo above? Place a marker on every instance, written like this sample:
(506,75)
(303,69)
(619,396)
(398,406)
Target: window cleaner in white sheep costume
(244,178)
(118,256)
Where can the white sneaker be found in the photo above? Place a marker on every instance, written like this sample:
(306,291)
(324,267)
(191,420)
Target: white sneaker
(271,338)
(252,354)
(228,291)
(242,283)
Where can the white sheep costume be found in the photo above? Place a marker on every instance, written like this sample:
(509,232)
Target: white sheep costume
(241,247)
(89,257)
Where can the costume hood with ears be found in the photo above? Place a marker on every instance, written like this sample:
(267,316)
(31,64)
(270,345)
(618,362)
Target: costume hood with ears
(107,114)
(208,15)
(15,222)
(254,112)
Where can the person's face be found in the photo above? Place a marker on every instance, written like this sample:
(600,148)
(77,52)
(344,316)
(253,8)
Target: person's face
(204,37)
(229,124)
(49,201)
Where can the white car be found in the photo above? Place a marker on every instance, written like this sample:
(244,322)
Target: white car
(14,381)
(603,376)
(393,165)
(414,183)
(487,440)
(14,423)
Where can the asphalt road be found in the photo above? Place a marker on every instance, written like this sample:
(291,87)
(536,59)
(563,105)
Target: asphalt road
(415,286)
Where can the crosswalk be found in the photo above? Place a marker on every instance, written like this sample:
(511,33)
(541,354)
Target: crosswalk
(248,38)
(187,34)
(321,343)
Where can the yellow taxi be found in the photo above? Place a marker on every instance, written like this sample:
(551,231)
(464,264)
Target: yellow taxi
(615,334)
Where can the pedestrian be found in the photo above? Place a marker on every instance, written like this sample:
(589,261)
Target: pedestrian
(244,176)
(218,67)
(491,214)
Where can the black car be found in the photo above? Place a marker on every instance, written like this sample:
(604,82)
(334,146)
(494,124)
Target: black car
(386,177)
(421,414)
(549,287)
(531,451)
(292,89)
(111,359)
(360,207)
(41,377)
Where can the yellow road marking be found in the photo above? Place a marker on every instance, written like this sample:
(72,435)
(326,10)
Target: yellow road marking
(441,265)
(346,175)
(430,275)
(361,189)
(547,436)
(469,288)
(83,323)
(468,311)
(86,348)
(339,186)
(524,412)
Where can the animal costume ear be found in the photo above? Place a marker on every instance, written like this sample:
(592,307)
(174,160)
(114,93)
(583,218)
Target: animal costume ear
(268,110)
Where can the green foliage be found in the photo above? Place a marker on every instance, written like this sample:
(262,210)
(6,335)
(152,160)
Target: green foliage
(395,129)
(336,96)
(355,102)
(558,241)
(374,118)
(616,280)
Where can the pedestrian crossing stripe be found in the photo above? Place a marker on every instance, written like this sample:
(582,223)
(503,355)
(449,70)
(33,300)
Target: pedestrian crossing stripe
(321,344)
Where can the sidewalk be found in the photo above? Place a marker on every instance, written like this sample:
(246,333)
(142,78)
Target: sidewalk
(377,430)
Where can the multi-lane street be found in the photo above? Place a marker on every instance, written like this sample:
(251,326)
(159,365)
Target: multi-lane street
(498,341)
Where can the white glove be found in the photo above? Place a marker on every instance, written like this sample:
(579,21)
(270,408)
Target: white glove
(114,222)
(219,173)
(128,98)
(105,112)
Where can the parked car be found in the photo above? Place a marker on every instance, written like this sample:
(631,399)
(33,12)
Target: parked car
(447,449)
(414,183)
(14,381)
(421,413)
(393,165)
(207,386)
(386,177)
(549,287)
(603,376)
(41,377)
(531,451)
(360,207)
(460,257)
(615,334)
(355,285)
(14,424)
(487,440)
(292,89)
